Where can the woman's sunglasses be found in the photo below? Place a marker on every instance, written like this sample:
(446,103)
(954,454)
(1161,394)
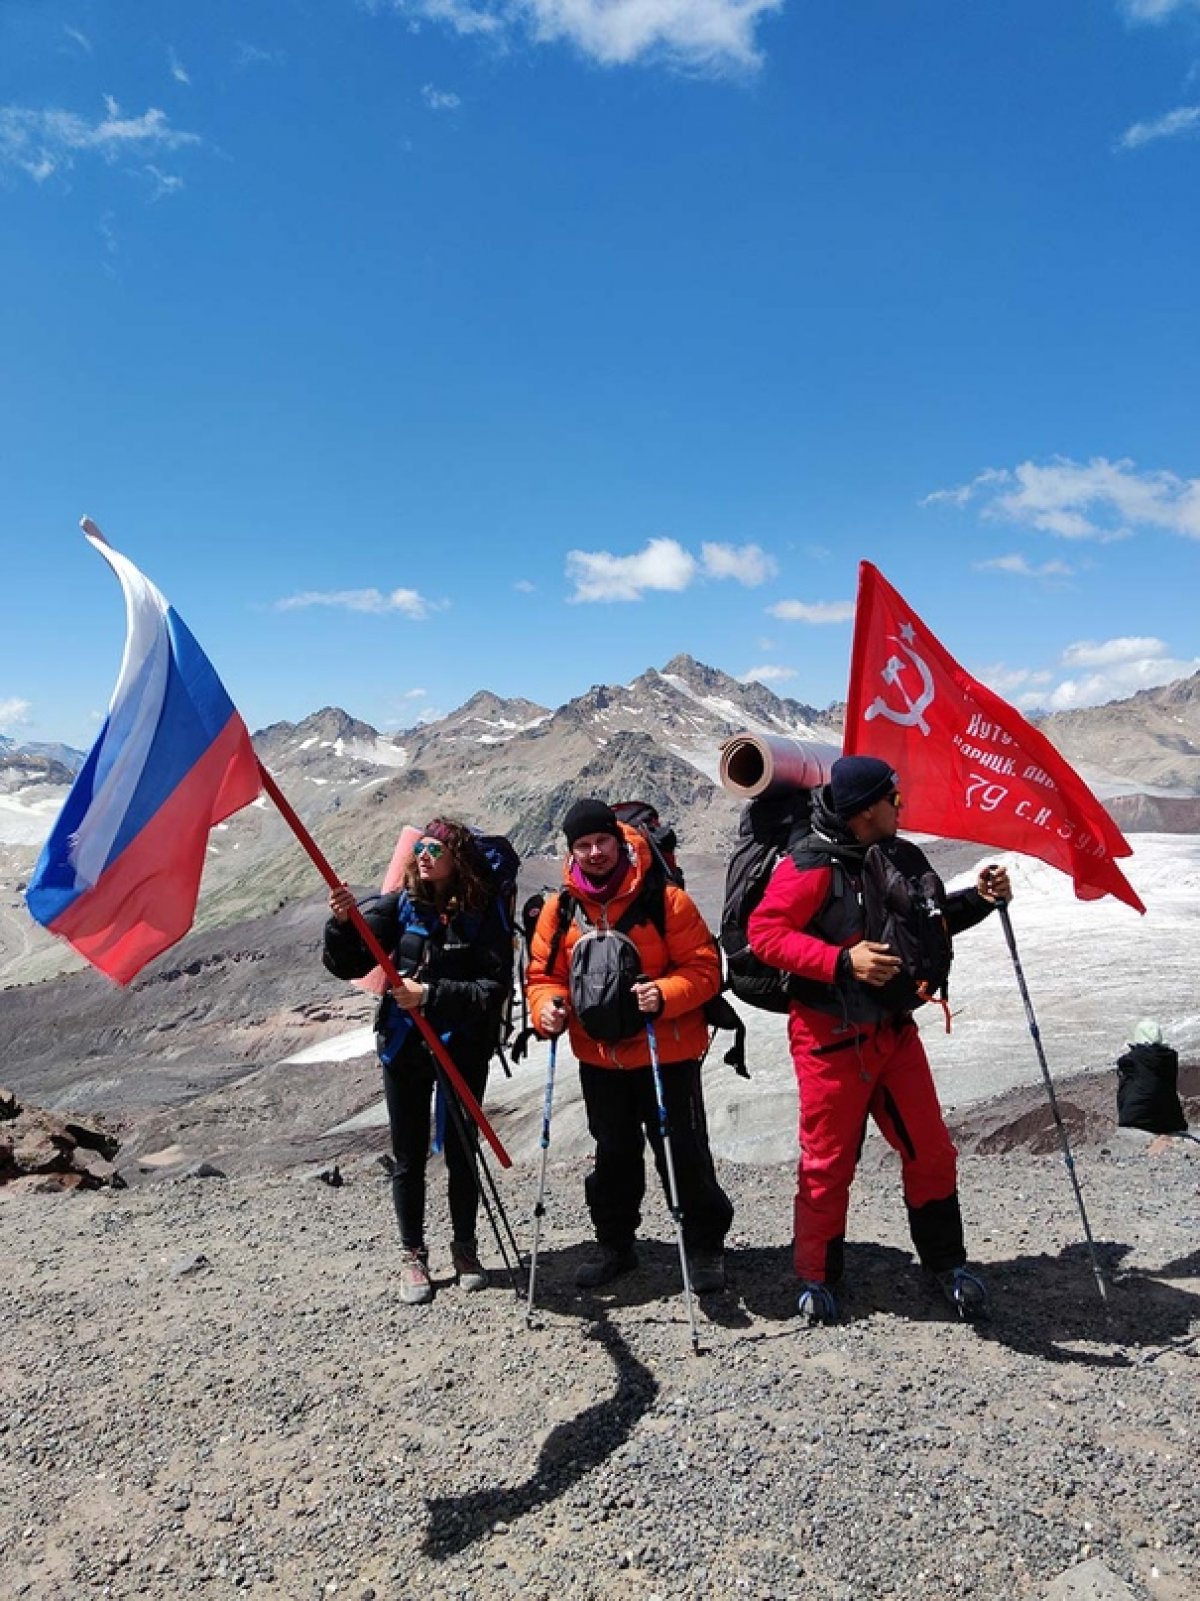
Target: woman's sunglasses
(430,848)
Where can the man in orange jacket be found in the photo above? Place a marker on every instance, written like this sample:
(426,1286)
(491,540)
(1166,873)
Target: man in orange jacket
(612,887)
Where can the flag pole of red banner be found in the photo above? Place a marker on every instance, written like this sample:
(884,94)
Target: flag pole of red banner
(970,766)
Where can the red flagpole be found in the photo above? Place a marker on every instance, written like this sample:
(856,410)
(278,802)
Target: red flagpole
(461,1088)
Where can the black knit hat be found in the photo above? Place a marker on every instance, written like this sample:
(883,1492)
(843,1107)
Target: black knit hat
(590,817)
(858,782)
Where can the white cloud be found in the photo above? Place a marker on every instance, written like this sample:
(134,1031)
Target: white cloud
(817,611)
(1005,680)
(413,694)
(1098,499)
(460,15)
(1091,672)
(524,586)
(749,564)
(14,711)
(1122,679)
(1156,10)
(249,55)
(177,68)
(1171,125)
(966,492)
(714,36)
(663,564)
(1022,568)
(771,673)
(81,39)
(408,601)
(439,99)
(41,142)
(1110,652)
(165,183)
(599,575)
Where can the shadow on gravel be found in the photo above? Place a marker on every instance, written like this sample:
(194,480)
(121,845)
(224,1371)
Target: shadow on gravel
(656,1279)
(1045,1304)
(570,1452)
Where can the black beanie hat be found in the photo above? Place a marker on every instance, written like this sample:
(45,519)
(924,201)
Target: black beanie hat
(590,817)
(858,782)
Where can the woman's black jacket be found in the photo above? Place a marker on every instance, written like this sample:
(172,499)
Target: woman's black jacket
(466,962)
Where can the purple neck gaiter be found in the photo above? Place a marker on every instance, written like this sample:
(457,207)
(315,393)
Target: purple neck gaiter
(602,889)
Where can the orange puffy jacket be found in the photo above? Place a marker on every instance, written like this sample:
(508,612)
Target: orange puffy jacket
(684,965)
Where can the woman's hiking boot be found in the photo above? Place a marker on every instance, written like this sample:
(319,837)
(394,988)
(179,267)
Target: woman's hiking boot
(817,1303)
(706,1269)
(415,1285)
(468,1269)
(610,1264)
(966,1292)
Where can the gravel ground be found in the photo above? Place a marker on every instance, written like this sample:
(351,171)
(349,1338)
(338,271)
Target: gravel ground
(211,1387)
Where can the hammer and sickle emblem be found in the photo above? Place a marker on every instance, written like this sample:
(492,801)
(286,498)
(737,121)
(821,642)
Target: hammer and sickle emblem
(912,714)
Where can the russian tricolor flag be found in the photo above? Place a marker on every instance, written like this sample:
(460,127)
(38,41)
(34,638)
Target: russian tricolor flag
(119,876)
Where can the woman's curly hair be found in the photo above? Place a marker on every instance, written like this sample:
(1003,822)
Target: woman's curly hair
(468,888)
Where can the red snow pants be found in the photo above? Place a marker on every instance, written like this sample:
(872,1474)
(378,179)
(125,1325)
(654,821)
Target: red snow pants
(844,1076)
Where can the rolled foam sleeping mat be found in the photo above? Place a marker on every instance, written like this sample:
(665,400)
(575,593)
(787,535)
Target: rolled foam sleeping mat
(760,764)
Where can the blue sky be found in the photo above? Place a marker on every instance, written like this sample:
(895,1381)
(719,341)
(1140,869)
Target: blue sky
(413,348)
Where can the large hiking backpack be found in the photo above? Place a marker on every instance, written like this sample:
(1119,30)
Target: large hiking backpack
(503,864)
(904,907)
(769,828)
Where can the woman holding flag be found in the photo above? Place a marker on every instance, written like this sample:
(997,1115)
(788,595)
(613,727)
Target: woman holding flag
(454,956)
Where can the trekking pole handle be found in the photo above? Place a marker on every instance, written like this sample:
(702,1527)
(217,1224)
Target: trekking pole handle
(990,875)
(644,978)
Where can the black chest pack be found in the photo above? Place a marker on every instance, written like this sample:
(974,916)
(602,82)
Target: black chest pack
(895,898)
(904,908)
(605,965)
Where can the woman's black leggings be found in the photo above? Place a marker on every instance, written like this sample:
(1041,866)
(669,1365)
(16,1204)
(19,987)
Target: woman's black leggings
(408,1088)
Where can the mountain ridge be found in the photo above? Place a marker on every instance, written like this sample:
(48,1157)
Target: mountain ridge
(511,765)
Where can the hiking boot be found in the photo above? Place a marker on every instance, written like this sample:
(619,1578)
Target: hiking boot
(468,1269)
(966,1292)
(706,1269)
(415,1286)
(610,1264)
(817,1303)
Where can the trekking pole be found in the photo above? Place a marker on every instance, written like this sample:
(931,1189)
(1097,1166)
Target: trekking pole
(1061,1126)
(672,1188)
(493,1207)
(540,1207)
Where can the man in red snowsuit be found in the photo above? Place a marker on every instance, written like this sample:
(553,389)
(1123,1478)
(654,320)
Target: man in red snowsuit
(853,1057)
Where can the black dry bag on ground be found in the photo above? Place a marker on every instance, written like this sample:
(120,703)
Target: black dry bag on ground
(1148,1090)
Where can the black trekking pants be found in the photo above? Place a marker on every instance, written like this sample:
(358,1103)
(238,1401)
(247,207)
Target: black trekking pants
(622,1114)
(408,1088)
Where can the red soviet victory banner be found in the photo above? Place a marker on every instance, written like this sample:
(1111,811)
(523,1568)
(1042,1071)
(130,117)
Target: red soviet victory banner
(970,766)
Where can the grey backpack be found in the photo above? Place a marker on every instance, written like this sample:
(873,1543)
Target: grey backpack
(605,965)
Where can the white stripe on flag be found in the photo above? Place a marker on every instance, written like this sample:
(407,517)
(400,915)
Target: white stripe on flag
(133,713)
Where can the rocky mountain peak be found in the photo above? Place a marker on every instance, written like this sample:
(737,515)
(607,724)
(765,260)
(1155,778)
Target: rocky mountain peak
(483,703)
(709,680)
(21,769)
